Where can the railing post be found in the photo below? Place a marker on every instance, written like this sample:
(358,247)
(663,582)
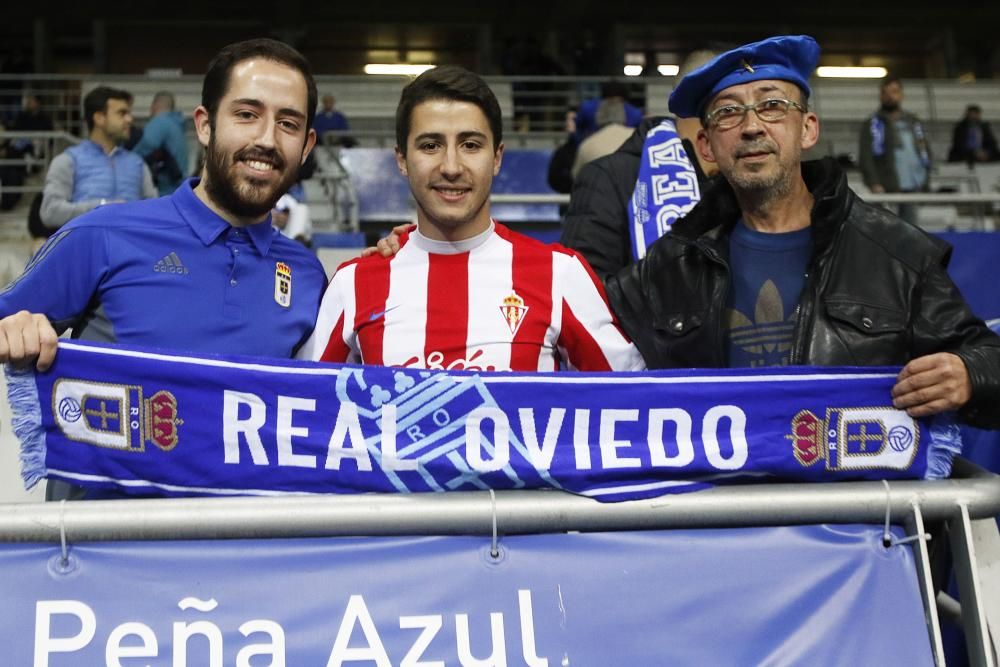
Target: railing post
(977,637)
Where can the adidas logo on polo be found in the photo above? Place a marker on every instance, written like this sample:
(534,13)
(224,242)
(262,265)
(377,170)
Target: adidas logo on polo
(170,264)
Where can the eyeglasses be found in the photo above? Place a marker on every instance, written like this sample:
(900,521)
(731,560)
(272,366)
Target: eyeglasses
(769,111)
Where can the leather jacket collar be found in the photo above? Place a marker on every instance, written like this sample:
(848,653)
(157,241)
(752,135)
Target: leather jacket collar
(715,216)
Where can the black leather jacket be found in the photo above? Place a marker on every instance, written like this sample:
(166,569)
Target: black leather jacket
(876,293)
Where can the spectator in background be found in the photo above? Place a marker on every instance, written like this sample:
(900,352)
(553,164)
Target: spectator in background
(31,118)
(973,140)
(895,153)
(164,144)
(586,115)
(290,216)
(96,171)
(329,119)
(615,211)
(611,133)
(560,176)
(11,175)
(18,63)
(612,112)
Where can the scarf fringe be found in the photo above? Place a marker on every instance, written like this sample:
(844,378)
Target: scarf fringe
(945,445)
(26,420)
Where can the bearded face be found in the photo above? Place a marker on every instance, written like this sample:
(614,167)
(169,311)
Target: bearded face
(249,181)
(255,139)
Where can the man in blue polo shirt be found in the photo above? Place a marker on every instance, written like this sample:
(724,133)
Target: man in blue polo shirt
(201,270)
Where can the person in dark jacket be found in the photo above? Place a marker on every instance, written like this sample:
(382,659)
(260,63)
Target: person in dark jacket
(623,202)
(783,264)
(598,222)
(972,140)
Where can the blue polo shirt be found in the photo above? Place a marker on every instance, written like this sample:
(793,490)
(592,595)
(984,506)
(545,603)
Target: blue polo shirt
(170,273)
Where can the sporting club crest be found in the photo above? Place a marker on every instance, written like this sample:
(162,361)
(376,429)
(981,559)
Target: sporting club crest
(514,311)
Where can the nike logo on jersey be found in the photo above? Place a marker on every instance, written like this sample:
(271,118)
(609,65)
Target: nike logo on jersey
(170,264)
(381,314)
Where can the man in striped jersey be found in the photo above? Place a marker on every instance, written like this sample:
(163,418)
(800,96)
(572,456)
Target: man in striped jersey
(464,292)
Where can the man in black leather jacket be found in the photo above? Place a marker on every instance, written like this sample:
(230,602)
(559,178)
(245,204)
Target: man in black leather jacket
(866,288)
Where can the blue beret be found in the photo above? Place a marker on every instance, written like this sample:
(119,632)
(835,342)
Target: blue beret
(785,58)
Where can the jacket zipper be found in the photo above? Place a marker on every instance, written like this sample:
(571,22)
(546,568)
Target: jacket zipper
(800,317)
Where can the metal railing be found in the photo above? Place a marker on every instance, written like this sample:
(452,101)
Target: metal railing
(45,146)
(518,512)
(535,103)
(965,504)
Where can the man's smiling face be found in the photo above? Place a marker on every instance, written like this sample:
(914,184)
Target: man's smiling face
(258,138)
(450,164)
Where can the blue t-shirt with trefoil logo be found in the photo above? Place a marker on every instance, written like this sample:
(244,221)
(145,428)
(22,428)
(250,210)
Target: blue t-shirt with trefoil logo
(767,274)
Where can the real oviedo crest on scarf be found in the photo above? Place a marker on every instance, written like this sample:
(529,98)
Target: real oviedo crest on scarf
(115,416)
(855,439)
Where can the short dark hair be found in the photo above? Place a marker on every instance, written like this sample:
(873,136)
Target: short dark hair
(217,78)
(448,82)
(96,101)
(888,80)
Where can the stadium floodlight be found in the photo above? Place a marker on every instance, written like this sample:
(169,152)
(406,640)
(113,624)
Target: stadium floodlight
(668,70)
(632,70)
(398,69)
(828,72)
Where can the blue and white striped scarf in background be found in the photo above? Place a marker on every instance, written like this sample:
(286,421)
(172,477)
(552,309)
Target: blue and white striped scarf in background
(665,190)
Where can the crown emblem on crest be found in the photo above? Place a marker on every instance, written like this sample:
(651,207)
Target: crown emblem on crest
(807,437)
(116,416)
(161,420)
(514,311)
(283,284)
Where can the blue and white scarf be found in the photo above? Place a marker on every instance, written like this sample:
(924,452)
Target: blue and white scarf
(665,190)
(148,422)
(876,128)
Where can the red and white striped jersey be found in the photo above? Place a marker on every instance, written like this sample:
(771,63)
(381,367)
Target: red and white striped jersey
(500,301)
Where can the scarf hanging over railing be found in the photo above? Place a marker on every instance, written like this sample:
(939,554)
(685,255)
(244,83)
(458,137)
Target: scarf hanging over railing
(665,189)
(148,422)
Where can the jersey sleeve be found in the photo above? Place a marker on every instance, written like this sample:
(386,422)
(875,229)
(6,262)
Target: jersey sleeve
(62,281)
(589,337)
(334,338)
